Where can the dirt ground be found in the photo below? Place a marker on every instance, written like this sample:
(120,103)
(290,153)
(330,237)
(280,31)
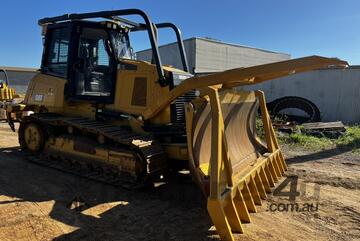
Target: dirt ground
(36,203)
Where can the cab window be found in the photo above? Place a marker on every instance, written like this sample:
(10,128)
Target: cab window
(57,52)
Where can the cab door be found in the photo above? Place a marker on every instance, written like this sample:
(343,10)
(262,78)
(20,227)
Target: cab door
(94,66)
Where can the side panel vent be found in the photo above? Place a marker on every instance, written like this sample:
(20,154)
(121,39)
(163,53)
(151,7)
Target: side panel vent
(139,92)
(178,107)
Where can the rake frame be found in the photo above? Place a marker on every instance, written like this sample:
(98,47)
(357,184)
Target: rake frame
(232,197)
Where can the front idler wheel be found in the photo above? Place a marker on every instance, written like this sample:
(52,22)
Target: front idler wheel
(31,137)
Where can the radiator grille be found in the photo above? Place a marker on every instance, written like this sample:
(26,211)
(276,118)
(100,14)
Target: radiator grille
(178,107)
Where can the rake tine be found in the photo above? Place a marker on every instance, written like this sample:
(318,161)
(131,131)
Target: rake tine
(218,217)
(269,176)
(272,171)
(265,181)
(248,199)
(241,208)
(254,192)
(260,186)
(233,217)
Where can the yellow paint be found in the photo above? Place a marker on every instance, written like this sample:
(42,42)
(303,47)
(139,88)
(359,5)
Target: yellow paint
(6,93)
(45,90)
(233,195)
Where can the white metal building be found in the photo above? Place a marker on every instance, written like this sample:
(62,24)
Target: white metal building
(19,77)
(208,55)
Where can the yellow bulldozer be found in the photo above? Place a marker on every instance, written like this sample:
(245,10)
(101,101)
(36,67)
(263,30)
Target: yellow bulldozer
(100,113)
(7,94)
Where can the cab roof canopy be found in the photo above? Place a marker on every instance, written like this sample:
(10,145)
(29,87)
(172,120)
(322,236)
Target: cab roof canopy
(147,25)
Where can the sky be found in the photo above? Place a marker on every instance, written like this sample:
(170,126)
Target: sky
(329,28)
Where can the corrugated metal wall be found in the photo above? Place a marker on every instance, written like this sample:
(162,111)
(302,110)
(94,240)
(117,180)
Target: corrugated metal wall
(18,79)
(170,54)
(214,56)
(336,92)
(206,55)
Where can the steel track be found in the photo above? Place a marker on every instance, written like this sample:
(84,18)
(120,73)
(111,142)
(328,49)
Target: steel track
(150,153)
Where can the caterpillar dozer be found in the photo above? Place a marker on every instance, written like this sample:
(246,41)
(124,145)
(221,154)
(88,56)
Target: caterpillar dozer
(7,94)
(100,113)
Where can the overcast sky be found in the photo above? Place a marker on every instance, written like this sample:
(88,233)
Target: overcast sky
(307,27)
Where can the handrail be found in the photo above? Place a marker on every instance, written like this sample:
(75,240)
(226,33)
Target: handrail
(179,42)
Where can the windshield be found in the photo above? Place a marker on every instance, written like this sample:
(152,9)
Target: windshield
(121,45)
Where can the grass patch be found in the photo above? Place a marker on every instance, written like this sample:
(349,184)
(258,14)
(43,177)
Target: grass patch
(259,126)
(350,140)
(306,141)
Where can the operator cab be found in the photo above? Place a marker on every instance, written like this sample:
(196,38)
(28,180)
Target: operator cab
(86,54)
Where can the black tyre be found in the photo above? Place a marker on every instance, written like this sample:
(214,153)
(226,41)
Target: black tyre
(295,102)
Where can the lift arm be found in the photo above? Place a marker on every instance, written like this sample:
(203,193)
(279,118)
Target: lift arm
(245,76)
